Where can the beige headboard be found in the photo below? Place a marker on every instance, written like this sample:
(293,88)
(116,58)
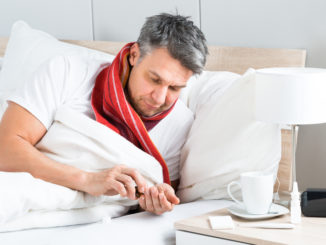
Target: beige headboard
(234,59)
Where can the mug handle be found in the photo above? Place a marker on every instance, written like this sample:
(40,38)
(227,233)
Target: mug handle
(230,194)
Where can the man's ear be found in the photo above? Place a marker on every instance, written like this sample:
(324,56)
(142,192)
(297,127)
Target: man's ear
(134,54)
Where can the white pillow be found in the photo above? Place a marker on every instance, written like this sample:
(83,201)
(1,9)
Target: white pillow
(28,48)
(200,88)
(226,140)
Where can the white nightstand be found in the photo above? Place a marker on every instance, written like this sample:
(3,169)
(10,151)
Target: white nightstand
(196,230)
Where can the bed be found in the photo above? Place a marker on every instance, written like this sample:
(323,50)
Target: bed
(145,228)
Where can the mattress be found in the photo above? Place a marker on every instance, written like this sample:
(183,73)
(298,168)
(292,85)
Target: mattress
(140,228)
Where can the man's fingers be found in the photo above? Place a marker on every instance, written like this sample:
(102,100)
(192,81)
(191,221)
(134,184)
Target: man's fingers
(171,197)
(165,204)
(129,184)
(174,199)
(117,186)
(148,201)
(155,200)
(137,177)
(142,202)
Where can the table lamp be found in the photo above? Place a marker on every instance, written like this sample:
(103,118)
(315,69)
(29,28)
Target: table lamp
(292,96)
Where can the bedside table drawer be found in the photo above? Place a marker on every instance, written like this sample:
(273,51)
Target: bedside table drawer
(189,238)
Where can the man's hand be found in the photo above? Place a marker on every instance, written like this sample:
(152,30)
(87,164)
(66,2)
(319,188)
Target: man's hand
(118,180)
(158,199)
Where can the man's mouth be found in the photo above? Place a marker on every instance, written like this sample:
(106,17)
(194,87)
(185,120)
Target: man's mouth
(151,107)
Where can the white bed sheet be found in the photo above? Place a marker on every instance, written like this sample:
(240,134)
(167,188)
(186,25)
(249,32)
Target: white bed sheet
(140,228)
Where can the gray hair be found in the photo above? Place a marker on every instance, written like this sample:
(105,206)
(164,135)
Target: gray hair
(184,41)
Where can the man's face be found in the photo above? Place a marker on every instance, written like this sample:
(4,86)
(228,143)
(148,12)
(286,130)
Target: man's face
(155,81)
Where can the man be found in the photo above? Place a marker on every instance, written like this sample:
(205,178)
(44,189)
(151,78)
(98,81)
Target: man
(130,96)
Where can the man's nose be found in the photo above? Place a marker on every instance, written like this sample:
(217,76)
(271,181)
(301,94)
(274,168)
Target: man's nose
(159,95)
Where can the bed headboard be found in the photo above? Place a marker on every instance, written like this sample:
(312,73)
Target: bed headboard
(234,59)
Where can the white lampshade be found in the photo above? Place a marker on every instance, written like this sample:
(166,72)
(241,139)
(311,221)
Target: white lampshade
(291,95)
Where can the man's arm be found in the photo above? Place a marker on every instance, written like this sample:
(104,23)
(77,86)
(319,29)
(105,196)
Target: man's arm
(20,131)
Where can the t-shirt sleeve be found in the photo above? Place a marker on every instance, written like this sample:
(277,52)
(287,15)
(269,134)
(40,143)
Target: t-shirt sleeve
(177,140)
(44,91)
(170,135)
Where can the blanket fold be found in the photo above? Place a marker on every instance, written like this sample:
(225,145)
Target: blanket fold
(76,140)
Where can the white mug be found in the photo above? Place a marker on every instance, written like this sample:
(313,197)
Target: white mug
(257,191)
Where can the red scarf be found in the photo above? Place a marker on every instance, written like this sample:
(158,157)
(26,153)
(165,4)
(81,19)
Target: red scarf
(112,109)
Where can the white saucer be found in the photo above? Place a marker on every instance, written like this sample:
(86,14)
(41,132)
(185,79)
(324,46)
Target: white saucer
(276,210)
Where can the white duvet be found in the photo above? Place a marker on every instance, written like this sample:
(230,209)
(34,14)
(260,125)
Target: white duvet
(73,139)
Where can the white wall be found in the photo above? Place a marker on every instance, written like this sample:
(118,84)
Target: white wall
(65,19)
(250,23)
(122,20)
(278,24)
(90,19)
(272,24)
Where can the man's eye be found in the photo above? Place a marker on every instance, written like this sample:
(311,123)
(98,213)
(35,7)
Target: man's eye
(175,88)
(155,80)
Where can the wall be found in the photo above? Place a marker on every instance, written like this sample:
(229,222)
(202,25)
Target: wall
(278,24)
(90,19)
(250,23)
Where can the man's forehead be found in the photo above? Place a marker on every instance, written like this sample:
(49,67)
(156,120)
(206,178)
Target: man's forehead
(169,69)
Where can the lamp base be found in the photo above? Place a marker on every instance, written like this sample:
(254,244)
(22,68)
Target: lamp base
(295,204)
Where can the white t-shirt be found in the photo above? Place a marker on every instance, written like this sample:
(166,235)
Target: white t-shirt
(69,80)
